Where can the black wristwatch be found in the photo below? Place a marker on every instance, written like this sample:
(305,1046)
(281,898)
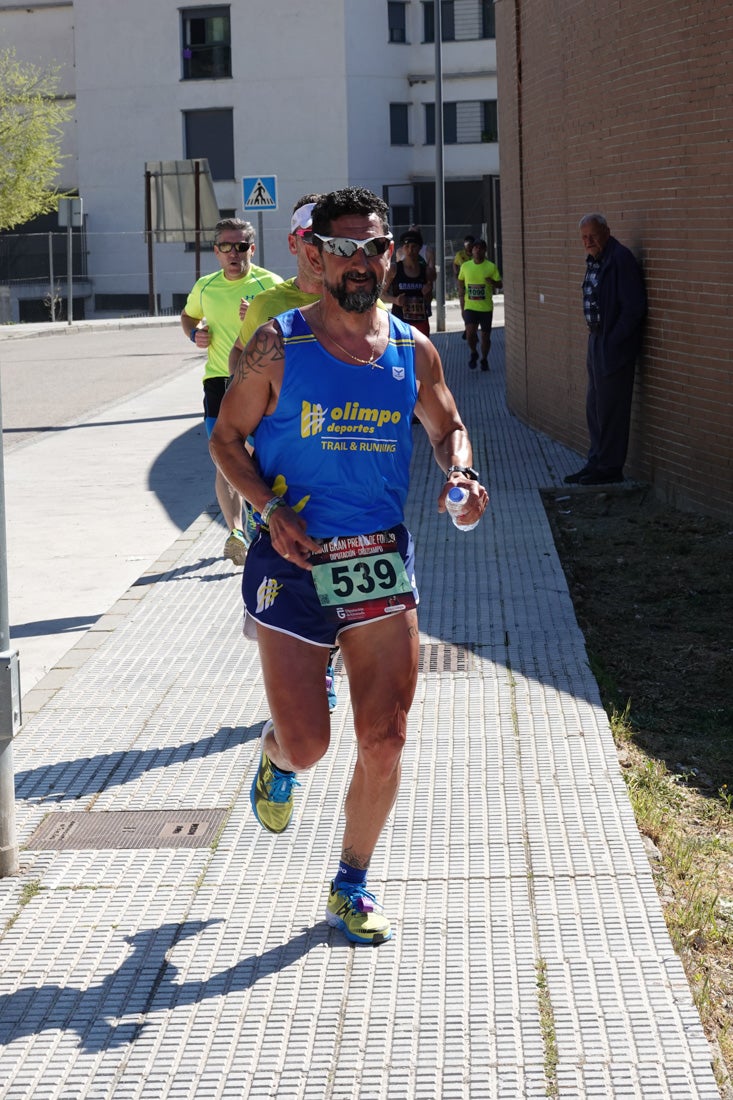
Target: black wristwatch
(468,471)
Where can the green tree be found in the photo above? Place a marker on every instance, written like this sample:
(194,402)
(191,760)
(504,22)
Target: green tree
(31,128)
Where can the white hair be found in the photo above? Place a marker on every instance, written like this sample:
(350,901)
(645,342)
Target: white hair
(597,218)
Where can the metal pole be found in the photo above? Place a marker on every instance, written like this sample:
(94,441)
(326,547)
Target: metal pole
(69,274)
(439,175)
(50,275)
(197,214)
(10,714)
(260,239)
(152,298)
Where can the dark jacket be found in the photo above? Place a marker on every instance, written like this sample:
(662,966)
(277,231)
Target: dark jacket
(622,304)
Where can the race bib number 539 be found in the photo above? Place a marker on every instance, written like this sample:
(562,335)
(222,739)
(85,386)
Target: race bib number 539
(361,577)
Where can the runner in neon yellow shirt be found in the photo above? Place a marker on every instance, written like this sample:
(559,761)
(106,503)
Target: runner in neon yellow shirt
(477,281)
(304,288)
(221,299)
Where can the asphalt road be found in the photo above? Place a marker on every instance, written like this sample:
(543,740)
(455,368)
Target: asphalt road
(51,380)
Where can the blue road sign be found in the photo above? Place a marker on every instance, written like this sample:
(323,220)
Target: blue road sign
(260,192)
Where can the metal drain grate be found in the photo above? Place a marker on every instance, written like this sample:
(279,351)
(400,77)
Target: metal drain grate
(127,829)
(434,657)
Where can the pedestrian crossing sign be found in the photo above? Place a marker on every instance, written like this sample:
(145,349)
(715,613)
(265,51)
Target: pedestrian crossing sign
(260,192)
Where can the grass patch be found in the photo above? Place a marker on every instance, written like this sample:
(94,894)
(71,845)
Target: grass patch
(29,890)
(653,593)
(547,1026)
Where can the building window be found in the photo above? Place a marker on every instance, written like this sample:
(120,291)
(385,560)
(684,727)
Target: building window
(488,20)
(399,133)
(397,19)
(461,20)
(206,43)
(490,121)
(449,123)
(211,134)
(447,21)
(468,122)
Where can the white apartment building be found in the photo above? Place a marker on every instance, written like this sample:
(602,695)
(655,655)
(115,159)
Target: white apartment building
(325,95)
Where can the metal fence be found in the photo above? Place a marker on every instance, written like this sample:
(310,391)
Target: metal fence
(107,274)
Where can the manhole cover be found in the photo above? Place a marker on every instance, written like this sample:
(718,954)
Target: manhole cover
(441,657)
(128,829)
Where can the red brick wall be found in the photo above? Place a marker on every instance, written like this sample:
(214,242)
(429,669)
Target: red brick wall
(626,108)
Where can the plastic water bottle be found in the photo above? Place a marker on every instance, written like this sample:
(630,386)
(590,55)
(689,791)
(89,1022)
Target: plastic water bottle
(454,503)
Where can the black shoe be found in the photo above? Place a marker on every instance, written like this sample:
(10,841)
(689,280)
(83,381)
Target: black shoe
(602,477)
(473,362)
(484,364)
(575,479)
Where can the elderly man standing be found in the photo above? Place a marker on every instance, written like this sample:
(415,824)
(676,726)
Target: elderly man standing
(614,305)
(328,391)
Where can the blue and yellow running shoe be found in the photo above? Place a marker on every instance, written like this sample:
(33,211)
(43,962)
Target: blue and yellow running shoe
(272,792)
(353,910)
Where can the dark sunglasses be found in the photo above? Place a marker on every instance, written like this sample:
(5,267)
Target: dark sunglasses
(240,246)
(348,246)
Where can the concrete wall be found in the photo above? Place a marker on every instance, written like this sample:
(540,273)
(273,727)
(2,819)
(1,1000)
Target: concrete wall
(626,109)
(43,35)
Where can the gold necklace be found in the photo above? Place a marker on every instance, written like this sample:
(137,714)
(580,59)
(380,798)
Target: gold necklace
(364,362)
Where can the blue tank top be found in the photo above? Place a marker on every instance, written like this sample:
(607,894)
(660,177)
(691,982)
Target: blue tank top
(338,445)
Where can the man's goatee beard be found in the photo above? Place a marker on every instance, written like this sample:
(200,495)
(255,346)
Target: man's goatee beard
(354,301)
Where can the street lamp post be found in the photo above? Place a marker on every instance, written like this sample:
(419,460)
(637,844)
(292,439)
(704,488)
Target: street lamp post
(439,176)
(10,717)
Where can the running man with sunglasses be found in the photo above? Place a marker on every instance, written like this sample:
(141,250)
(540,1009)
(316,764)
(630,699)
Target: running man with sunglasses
(328,391)
(223,298)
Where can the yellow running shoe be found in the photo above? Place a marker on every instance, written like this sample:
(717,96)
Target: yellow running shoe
(272,792)
(353,909)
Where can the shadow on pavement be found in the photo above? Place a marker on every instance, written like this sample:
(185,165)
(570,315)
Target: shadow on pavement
(83,776)
(65,1007)
(182,476)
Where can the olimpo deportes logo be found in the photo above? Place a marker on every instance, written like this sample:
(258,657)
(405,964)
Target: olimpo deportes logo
(351,419)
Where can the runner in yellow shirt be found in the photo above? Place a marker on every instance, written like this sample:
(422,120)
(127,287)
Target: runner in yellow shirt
(459,259)
(477,281)
(210,319)
(304,288)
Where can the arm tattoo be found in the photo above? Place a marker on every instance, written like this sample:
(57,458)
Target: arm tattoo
(263,349)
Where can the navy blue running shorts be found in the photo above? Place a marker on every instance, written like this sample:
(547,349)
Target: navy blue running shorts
(280,595)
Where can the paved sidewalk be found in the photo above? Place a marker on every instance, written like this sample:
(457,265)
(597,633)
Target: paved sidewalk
(177,950)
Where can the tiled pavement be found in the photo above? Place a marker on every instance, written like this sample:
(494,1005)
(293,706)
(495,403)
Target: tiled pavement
(530,956)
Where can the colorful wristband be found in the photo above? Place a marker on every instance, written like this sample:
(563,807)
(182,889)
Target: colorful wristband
(272,504)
